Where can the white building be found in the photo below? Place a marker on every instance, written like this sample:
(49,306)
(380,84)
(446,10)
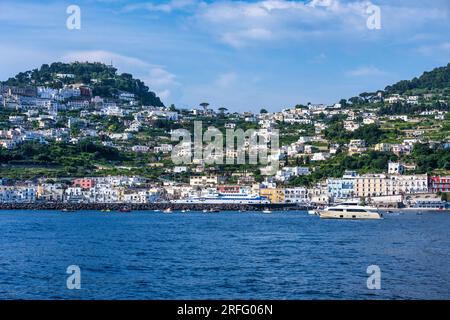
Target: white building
(296,195)
(203,180)
(395,168)
(401,184)
(140,149)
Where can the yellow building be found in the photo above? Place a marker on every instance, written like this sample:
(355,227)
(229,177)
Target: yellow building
(273,195)
(371,185)
(383,147)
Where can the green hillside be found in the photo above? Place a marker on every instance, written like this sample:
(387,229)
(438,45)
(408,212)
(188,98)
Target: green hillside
(437,79)
(103,79)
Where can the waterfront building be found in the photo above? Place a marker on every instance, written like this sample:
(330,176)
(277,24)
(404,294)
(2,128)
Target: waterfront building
(17,194)
(371,185)
(275,195)
(319,194)
(75,195)
(83,183)
(439,184)
(296,195)
(105,193)
(341,188)
(401,184)
(50,192)
(138,196)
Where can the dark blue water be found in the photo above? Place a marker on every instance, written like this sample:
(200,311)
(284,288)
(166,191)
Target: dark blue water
(147,255)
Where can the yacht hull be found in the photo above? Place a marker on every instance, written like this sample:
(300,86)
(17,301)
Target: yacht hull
(350,215)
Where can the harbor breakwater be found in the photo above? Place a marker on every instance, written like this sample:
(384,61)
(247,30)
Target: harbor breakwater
(149,206)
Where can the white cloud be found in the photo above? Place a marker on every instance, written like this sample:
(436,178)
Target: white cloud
(106,57)
(366,71)
(323,3)
(29,14)
(166,7)
(242,37)
(226,79)
(436,49)
(318,59)
(16,58)
(165,94)
(160,77)
(240,23)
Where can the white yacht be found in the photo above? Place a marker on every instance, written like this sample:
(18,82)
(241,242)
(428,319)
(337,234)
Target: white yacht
(350,211)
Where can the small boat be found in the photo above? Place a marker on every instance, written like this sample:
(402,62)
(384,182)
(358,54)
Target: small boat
(312,212)
(168,211)
(124,210)
(67,210)
(267,211)
(106,210)
(156,210)
(214,210)
(183,211)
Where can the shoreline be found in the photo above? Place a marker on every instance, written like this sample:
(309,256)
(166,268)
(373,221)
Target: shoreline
(181,207)
(150,206)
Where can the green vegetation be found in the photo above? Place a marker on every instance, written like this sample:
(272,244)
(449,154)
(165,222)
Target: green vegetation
(372,161)
(103,80)
(429,160)
(438,78)
(370,133)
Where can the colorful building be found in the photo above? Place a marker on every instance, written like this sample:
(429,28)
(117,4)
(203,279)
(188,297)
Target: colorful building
(275,195)
(439,184)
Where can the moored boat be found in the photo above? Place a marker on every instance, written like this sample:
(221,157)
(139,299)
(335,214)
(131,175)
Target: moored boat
(218,198)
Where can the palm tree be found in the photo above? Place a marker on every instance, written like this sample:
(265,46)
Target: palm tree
(204,105)
(222,110)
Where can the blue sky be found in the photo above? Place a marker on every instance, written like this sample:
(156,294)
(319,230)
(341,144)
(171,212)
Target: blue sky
(242,55)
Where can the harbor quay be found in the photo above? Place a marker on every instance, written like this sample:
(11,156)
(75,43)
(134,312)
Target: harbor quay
(152,206)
